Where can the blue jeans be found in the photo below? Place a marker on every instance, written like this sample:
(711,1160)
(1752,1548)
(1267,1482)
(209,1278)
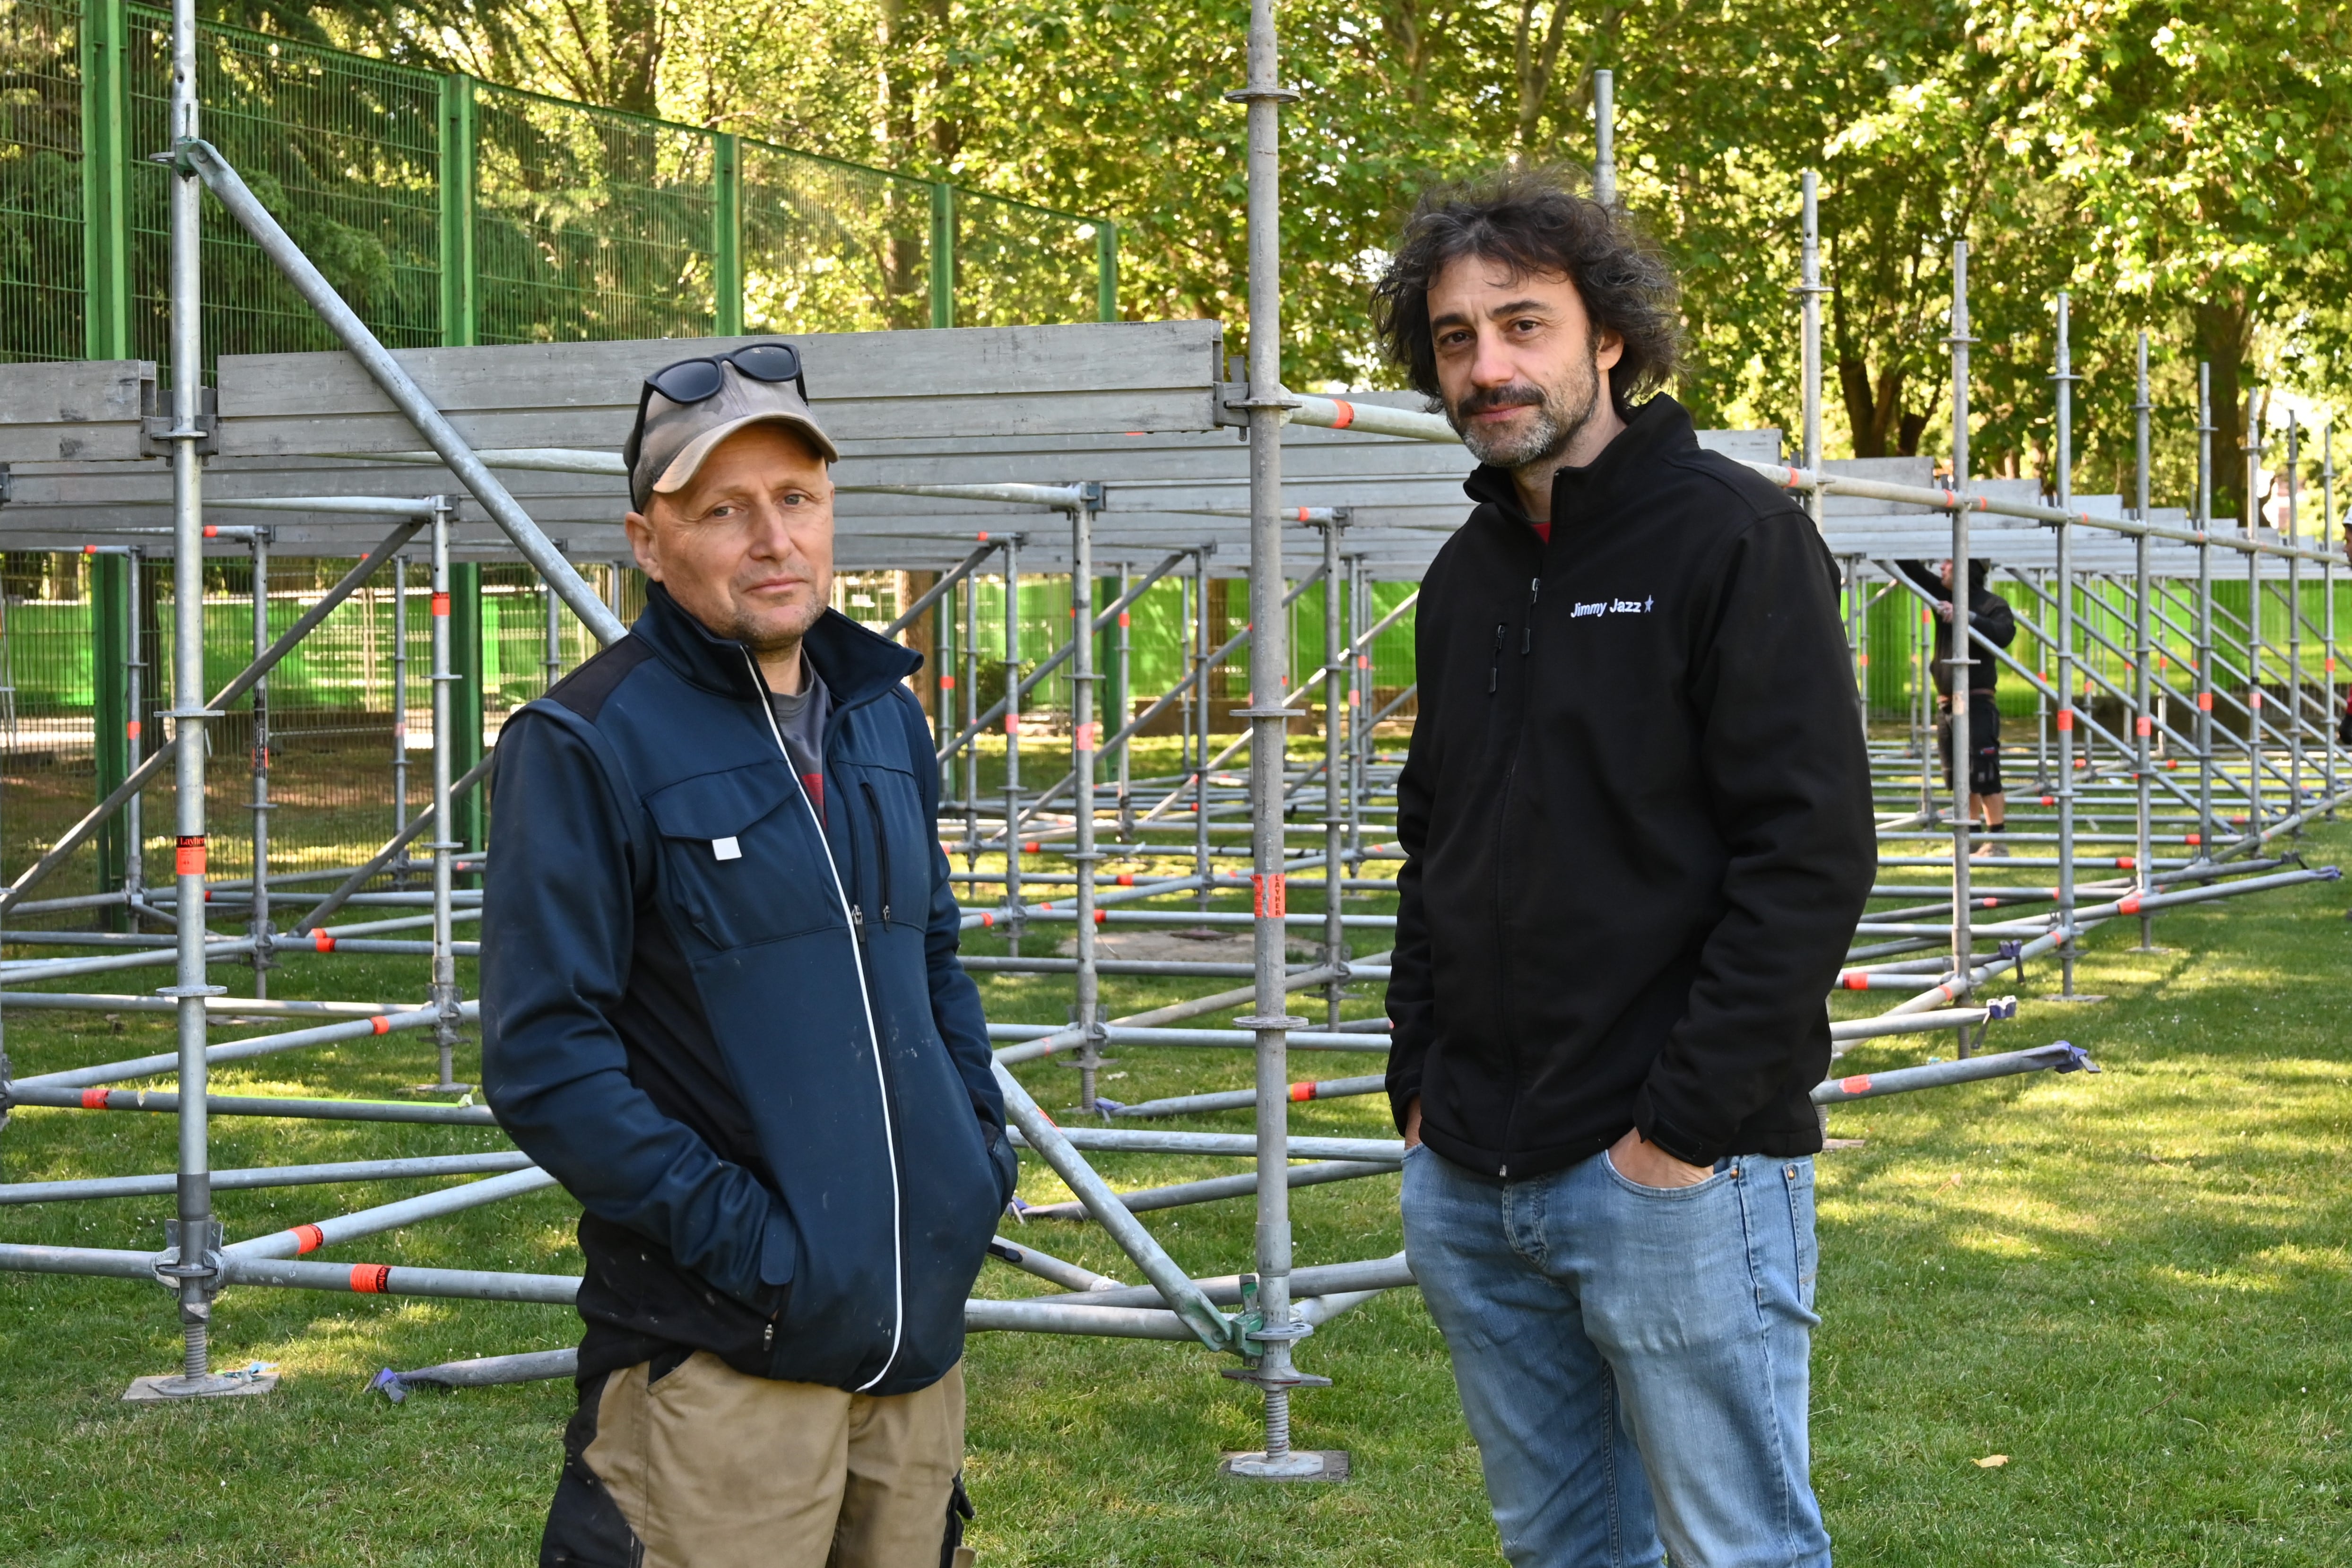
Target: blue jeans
(1633,1360)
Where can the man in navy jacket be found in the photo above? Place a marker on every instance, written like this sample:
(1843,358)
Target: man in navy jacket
(721,1005)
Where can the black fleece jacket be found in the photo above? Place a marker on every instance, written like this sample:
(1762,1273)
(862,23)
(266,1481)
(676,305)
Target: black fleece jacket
(1635,818)
(1989,616)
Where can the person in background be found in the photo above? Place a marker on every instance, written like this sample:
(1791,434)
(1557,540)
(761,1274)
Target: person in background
(1993,620)
(721,1005)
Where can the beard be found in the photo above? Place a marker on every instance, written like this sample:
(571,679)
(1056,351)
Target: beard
(1562,411)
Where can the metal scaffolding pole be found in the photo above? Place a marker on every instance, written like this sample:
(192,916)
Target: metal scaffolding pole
(1360,688)
(971,718)
(2255,810)
(2042,783)
(1278,1326)
(2062,584)
(1012,904)
(2142,658)
(553,608)
(2293,624)
(2329,714)
(1963,661)
(399,705)
(191,1262)
(1335,818)
(1604,137)
(1084,732)
(2205,611)
(258,924)
(134,815)
(1199,698)
(1810,292)
(444,844)
(1122,688)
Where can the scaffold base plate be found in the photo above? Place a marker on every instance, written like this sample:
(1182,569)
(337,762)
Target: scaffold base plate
(1298,1465)
(169,1390)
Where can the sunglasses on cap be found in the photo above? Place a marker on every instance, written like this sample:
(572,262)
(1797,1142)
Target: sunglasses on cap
(699,379)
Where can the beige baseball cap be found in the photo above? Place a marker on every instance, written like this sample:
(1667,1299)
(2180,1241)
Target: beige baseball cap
(677,430)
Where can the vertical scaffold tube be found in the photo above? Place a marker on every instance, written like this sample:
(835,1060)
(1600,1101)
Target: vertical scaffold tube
(2251,521)
(2062,584)
(1202,868)
(1809,288)
(399,705)
(1923,696)
(258,925)
(1604,137)
(446,844)
(971,720)
(1123,708)
(1012,903)
(2143,656)
(2042,783)
(2295,681)
(1360,706)
(1084,732)
(1963,661)
(552,659)
(2204,611)
(1335,818)
(134,702)
(1267,714)
(2329,714)
(192,1269)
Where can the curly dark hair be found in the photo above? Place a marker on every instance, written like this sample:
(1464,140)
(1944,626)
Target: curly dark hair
(1537,224)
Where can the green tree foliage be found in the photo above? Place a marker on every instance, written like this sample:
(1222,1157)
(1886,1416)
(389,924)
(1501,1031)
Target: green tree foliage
(2178,170)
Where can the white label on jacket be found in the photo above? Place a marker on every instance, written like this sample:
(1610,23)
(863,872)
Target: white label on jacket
(726,849)
(1613,607)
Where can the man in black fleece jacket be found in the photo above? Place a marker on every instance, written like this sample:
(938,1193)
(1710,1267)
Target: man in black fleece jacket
(1637,833)
(1990,617)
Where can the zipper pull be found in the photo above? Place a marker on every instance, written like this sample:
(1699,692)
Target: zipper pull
(1495,670)
(857,920)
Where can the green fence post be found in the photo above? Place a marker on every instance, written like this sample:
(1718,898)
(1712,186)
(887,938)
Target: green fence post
(943,267)
(1105,270)
(105,171)
(460,296)
(110,681)
(466,694)
(726,235)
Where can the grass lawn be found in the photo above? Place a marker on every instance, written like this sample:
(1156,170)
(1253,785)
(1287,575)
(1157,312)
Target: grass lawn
(2131,1285)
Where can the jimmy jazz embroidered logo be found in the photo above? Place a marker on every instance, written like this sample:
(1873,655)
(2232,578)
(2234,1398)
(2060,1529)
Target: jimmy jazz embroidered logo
(1614,607)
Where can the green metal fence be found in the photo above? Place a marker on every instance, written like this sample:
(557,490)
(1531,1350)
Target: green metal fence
(452,211)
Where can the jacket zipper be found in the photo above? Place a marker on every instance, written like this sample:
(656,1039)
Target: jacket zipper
(881,850)
(857,884)
(1495,670)
(1511,774)
(873,1036)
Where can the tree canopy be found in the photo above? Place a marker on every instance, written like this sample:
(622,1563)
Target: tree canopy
(2178,170)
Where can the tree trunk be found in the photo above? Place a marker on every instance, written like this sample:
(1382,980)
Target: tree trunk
(921,636)
(2224,339)
(1874,412)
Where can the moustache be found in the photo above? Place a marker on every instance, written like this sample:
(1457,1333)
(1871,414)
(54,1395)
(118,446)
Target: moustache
(1518,394)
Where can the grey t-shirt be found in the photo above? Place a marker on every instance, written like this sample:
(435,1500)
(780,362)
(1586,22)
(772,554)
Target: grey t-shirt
(800,719)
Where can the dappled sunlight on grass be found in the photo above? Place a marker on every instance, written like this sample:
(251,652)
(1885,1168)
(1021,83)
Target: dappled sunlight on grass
(2134,1287)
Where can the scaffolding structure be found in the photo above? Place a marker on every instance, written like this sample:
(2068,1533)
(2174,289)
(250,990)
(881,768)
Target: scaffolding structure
(958,452)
